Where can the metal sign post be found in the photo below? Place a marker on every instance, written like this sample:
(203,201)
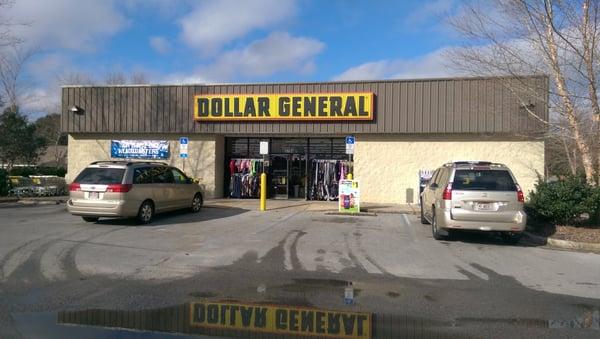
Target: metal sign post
(183,150)
(350,141)
(264,151)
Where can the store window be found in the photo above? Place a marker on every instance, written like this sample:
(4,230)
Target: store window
(300,167)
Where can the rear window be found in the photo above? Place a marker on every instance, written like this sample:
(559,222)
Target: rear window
(483,180)
(102,176)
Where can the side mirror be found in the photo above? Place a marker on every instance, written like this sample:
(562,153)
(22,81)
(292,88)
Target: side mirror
(433,185)
(189,180)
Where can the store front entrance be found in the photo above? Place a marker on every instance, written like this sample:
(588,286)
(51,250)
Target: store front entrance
(299,168)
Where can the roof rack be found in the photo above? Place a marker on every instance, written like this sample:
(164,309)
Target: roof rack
(473,163)
(127,163)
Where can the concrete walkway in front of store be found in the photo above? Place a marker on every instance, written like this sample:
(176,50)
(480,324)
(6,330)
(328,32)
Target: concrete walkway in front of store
(311,205)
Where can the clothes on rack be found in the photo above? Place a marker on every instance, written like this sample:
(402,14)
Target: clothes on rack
(245,177)
(325,177)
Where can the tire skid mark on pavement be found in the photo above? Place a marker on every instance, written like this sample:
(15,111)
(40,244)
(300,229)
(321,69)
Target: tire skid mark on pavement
(363,253)
(138,273)
(281,220)
(290,247)
(358,255)
(19,255)
(41,261)
(68,261)
(11,254)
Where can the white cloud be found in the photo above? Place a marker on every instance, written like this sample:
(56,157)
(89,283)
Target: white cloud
(434,64)
(277,52)
(71,24)
(160,44)
(213,24)
(179,79)
(429,10)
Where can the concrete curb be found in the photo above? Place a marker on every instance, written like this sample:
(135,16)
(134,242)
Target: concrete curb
(41,202)
(564,244)
(358,214)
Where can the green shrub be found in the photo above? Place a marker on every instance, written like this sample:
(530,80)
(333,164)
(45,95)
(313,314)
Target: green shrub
(35,170)
(563,202)
(3,183)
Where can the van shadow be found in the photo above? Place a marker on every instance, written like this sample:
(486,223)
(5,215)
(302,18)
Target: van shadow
(488,238)
(179,217)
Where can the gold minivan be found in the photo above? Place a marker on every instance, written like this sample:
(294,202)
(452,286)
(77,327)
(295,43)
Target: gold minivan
(474,195)
(131,189)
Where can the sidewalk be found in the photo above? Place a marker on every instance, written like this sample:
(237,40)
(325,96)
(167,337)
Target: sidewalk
(36,200)
(324,206)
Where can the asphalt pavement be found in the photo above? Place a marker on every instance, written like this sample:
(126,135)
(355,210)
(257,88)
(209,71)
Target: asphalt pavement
(472,286)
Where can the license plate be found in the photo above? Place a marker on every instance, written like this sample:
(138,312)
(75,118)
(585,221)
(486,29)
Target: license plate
(482,206)
(94,195)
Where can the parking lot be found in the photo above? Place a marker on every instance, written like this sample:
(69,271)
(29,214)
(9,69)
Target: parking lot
(296,253)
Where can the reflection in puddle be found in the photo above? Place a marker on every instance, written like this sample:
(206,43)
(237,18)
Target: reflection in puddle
(589,320)
(180,321)
(44,325)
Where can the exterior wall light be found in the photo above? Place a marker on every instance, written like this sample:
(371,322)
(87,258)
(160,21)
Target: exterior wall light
(77,110)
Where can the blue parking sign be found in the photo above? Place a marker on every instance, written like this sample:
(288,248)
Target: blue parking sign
(183,140)
(350,140)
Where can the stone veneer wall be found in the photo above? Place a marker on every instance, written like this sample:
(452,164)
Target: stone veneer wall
(387,167)
(205,160)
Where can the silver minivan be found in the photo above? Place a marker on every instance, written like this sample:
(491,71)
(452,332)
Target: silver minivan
(481,196)
(131,189)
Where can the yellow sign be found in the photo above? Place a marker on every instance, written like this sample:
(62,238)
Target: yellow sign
(281,319)
(284,107)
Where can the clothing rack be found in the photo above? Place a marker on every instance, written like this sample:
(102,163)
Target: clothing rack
(245,177)
(325,177)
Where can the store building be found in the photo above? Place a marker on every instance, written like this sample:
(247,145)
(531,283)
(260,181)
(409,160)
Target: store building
(401,127)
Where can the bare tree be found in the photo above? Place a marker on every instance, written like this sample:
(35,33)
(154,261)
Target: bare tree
(554,37)
(138,78)
(76,78)
(7,38)
(115,78)
(12,84)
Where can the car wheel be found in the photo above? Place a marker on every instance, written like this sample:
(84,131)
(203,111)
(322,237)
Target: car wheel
(434,228)
(423,219)
(90,219)
(146,212)
(196,203)
(511,238)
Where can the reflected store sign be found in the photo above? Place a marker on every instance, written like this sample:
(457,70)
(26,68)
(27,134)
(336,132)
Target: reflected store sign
(139,149)
(281,320)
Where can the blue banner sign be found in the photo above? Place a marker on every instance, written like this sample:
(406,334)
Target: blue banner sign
(139,149)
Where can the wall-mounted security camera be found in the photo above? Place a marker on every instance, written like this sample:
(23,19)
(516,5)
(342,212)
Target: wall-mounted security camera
(76,109)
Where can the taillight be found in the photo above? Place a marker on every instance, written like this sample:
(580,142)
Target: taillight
(74,187)
(447,195)
(118,188)
(520,195)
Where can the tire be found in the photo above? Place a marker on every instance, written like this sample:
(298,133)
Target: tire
(196,203)
(90,219)
(434,229)
(145,213)
(511,238)
(423,219)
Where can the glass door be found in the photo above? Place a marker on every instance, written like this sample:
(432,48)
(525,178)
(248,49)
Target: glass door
(279,176)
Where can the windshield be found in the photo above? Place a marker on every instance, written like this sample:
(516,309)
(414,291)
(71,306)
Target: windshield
(483,180)
(102,176)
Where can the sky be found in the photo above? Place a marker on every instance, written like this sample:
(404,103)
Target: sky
(205,41)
